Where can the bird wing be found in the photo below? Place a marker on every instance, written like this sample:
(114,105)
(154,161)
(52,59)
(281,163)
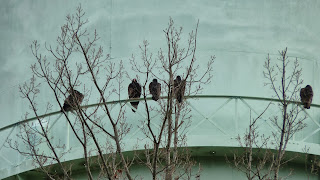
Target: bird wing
(183,86)
(130,90)
(139,89)
(80,96)
(175,83)
(134,90)
(69,100)
(302,94)
(309,92)
(159,89)
(150,88)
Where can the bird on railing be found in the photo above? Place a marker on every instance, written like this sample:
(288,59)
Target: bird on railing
(71,102)
(134,91)
(306,95)
(155,89)
(179,87)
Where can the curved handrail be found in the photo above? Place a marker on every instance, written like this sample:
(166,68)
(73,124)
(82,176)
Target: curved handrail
(149,98)
(227,141)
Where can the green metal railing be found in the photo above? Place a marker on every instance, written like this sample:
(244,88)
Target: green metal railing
(149,98)
(202,119)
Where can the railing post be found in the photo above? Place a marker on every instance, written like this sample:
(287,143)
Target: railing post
(68,136)
(236,116)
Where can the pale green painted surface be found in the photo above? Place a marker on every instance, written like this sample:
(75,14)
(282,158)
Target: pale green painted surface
(239,33)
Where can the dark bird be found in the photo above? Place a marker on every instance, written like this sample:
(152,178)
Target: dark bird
(179,87)
(134,91)
(72,100)
(306,95)
(155,89)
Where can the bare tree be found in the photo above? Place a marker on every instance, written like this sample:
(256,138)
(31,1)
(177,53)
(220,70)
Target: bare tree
(62,74)
(285,80)
(169,135)
(257,160)
(77,56)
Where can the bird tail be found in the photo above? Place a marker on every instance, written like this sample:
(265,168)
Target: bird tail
(308,105)
(135,105)
(155,98)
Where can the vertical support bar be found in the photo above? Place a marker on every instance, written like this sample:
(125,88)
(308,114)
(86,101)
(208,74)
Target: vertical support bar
(294,134)
(19,159)
(19,177)
(236,115)
(68,136)
(12,129)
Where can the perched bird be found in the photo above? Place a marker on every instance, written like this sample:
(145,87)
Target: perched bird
(134,91)
(179,87)
(71,101)
(306,95)
(155,89)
